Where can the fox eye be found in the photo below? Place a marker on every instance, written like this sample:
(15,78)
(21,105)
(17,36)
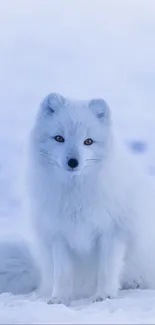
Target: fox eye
(59,138)
(88,142)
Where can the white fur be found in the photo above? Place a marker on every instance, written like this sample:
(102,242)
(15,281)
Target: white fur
(92,229)
(18,272)
(83,219)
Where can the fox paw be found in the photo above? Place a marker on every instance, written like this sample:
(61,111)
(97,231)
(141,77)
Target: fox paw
(58,301)
(98,299)
(102,297)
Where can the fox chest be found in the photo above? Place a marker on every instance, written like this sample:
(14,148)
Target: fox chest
(80,227)
(79,222)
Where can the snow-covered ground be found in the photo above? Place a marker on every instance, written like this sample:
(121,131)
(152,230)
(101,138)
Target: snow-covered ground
(82,49)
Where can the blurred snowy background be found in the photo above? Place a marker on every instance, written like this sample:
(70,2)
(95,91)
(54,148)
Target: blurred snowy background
(82,49)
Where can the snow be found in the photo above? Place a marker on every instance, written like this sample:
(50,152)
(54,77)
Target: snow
(132,307)
(81,49)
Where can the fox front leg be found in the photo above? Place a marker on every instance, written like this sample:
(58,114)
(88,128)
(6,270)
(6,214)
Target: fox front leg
(62,273)
(110,267)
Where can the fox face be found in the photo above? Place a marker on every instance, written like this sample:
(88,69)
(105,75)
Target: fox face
(73,136)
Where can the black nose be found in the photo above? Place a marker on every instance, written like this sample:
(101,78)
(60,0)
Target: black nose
(73,163)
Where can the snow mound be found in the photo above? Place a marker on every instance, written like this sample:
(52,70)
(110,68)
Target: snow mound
(131,307)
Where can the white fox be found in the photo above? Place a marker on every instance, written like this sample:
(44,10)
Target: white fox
(91,214)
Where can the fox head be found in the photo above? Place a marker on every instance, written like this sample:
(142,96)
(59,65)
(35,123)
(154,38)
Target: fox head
(72,137)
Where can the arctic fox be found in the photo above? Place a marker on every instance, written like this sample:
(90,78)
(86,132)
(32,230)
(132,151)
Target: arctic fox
(81,211)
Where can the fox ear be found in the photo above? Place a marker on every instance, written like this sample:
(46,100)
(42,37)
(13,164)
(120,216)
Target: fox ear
(52,102)
(100,108)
